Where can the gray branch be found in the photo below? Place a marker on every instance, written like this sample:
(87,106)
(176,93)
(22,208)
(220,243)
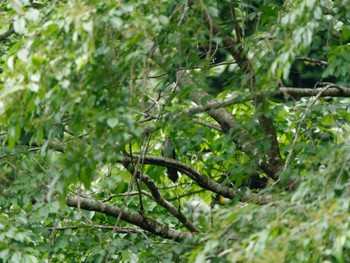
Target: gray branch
(142,221)
(333,91)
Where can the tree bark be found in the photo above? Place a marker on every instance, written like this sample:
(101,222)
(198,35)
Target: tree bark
(142,221)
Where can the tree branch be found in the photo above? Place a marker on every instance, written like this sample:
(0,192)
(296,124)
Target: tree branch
(53,145)
(288,92)
(186,194)
(167,205)
(201,180)
(8,33)
(142,221)
(333,91)
(208,124)
(215,103)
(272,165)
(125,195)
(161,200)
(314,61)
(122,230)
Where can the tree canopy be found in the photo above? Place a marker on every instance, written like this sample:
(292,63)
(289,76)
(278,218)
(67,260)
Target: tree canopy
(174,131)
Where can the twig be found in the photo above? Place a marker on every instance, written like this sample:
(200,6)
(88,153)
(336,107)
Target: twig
(208,124)
(126,230)
(314,61)
(125,195)
(300,123)
(186,194)
(211,65)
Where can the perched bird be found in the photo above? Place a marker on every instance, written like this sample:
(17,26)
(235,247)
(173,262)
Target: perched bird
(168,151)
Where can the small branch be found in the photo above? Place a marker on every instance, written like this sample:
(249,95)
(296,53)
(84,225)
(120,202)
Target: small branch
(211,65)
(186,194)
(122,230)
(167,205)
(238,29)
(7,34)
(36,4)
(57,146)
(125,195)
(208,124)
(53,145)
(299,126)
(213,104)
(142,221)
(231,45)
(314,61)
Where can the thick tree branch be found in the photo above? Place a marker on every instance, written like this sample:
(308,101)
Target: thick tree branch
(142,221)
(285,93)
(332,91)
(294,93)
(201,180)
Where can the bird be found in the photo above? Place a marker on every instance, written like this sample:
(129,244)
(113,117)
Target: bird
(168,151)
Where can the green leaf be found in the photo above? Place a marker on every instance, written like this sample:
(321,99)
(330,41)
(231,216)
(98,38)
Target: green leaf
(112,122)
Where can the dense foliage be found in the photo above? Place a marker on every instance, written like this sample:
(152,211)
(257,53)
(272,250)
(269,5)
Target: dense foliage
(250,97)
